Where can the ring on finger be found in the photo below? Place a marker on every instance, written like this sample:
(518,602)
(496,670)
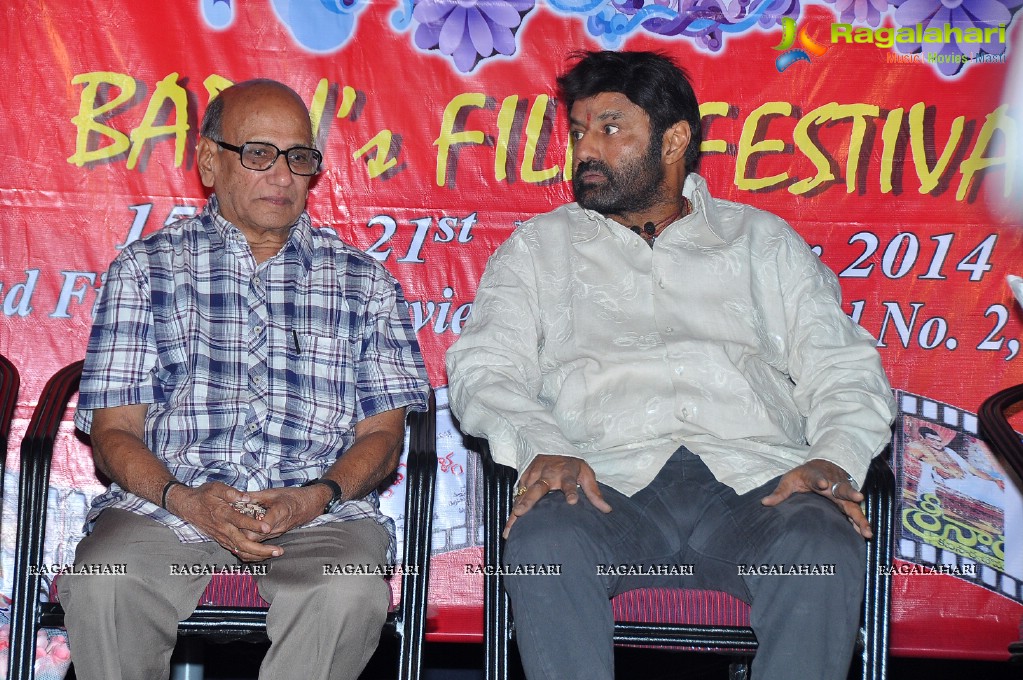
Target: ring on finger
(834,489)
(545,483)
(521,491)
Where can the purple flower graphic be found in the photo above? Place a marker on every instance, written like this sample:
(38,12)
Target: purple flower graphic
(958,14)
(705,21)
(861,11)
(469,30)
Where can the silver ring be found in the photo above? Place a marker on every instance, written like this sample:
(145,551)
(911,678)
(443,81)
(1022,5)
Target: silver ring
(834,489)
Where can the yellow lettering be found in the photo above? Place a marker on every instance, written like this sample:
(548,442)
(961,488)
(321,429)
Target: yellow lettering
(348,98)
(709,110)
(90,111)
(450,137)
(889,139)
(505,120)
(383,160)
(215,84)
(748,146)
(929,177)
(803,141)
(534,129)
(996,120)
(318,104)
(859,114)
(167,91)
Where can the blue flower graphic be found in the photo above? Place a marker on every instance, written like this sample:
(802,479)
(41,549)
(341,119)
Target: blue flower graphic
(319,25)
(469,31)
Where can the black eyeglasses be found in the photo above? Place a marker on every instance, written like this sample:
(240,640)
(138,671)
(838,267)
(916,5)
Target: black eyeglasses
(261,156)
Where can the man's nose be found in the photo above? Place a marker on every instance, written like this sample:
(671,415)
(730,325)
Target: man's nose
(280,172)
(584,149)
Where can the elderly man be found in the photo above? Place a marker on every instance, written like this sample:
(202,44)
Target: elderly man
(680,390)
(245,387)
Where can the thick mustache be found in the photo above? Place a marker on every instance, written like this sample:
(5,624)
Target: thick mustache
(593,166)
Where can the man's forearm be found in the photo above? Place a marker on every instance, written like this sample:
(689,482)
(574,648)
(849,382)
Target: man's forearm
(121,454)
(378,444)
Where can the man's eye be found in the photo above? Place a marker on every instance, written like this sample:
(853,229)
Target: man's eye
(576,135)
(610,129)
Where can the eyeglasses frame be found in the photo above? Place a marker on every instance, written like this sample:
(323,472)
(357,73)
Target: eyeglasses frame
(239,150)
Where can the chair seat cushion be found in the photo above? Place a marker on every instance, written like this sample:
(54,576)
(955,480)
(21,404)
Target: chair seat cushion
(681,606)
(238,590)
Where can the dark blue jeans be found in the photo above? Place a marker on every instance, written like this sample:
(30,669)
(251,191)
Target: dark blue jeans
(806,625)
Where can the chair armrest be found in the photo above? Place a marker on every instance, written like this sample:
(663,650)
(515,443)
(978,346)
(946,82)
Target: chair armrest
(879,507)
(420,486)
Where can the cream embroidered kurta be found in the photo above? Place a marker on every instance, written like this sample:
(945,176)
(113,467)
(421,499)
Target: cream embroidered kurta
(728,337)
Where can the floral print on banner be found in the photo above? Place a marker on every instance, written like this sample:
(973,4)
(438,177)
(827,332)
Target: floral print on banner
(471,32)
(53,657)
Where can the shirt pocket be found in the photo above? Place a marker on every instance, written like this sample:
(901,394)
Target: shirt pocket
(326,368)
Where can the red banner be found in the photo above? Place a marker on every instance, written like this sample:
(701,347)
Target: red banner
(880,134)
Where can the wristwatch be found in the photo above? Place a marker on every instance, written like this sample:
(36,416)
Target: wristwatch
(337,496)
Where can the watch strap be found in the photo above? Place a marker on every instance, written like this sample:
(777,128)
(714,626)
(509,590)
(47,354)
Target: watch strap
(336,494)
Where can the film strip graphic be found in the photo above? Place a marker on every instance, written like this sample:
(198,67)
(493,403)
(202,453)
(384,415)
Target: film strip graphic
(952,500)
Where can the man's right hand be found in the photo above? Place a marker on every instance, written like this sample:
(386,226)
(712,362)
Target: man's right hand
(208,508)
(546,474)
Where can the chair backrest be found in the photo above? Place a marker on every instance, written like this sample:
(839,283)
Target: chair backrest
(407,622)
(36,450)
(998,433)
(879,507)
(10,382)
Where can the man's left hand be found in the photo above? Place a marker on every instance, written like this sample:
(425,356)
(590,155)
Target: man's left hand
(826,479)
(288,507)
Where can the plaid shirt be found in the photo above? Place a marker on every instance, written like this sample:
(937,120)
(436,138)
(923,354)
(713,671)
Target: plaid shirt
(255,374)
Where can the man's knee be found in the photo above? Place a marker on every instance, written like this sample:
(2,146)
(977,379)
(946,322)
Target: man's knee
(816,532)
(365,598)
(552,531)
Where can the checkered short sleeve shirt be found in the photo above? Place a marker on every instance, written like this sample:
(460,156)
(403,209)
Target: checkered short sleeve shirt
(255,375)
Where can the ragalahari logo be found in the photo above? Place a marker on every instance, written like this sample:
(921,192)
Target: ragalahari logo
(788,39)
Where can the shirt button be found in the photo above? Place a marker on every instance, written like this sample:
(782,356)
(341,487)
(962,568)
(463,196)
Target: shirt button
(660,283)
(258,380)
(685,414)
(669,329)
(257,330)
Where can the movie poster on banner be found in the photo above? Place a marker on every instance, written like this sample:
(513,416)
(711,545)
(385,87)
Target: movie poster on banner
(959,511)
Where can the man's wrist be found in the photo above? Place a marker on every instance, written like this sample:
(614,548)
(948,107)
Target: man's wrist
(336,493)
(166,490)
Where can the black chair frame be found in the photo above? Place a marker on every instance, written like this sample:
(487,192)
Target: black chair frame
(1007,445)
(407,621)
(879,490)
(10,382)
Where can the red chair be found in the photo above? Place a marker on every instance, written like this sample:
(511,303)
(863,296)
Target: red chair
(1007,445)
(230,608)
(682,619)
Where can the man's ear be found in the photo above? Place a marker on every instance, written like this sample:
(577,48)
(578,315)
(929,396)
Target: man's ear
(206,153)
(675,142)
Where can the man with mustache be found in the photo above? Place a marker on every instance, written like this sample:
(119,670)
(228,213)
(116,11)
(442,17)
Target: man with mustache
(676,382)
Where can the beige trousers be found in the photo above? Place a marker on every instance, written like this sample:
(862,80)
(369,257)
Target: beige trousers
(321,626)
